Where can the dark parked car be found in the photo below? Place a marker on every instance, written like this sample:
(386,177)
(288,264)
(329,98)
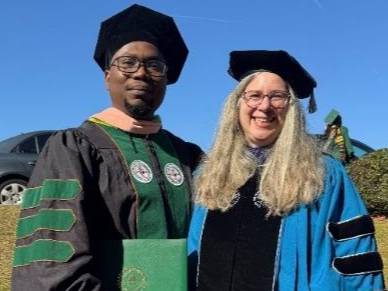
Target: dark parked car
(18,156)
(360,148)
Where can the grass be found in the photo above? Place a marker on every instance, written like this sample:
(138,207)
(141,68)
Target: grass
(382,242)
(9,215)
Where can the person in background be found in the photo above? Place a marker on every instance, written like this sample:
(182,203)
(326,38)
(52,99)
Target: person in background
(272,212)
(117,176)
(338,142)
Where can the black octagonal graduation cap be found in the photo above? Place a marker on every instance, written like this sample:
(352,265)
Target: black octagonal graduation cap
(242,63)
(139,23)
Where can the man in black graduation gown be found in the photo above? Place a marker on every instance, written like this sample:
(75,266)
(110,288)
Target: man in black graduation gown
(119,175)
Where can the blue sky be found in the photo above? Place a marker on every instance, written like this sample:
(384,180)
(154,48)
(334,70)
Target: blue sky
(48,79)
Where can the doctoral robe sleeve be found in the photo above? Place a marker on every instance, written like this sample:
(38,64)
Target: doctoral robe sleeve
(53,247)
(344,249)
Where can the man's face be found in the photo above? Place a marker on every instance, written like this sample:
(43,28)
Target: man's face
(139,93)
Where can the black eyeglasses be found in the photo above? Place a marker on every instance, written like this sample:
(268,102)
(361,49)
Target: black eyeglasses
(277,98)
(127,64)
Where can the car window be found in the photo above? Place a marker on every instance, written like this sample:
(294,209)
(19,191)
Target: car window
(360,148)
(360,151)
(9,144)
(42,139)
(28,146)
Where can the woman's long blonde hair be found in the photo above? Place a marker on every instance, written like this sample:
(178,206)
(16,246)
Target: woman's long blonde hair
(293,171)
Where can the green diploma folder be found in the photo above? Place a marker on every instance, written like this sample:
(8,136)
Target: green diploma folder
(144,265)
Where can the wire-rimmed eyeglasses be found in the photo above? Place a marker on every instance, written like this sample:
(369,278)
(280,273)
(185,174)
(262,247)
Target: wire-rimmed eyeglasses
(277,98)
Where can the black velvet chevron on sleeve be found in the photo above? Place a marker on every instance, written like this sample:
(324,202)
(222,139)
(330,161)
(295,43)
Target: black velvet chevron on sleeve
(359,226)
(359,264)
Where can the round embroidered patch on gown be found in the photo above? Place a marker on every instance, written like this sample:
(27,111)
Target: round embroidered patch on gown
(141,171)
(173,174)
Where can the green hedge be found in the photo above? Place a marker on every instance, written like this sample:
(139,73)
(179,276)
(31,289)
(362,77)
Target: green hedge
(370,174)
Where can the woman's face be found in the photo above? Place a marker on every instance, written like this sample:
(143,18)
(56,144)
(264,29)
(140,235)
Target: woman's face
(263,122)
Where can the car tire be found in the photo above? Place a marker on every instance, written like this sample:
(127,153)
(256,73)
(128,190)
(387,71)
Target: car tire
(11,191)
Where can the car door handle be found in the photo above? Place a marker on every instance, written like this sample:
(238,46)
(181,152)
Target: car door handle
(32,163)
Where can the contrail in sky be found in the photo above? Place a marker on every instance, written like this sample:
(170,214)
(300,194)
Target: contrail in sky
(318,4)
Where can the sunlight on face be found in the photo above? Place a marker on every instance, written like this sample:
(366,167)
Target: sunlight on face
(139,93)
(263,124)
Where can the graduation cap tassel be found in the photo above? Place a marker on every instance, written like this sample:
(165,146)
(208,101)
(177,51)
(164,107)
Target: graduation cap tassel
(312,103)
